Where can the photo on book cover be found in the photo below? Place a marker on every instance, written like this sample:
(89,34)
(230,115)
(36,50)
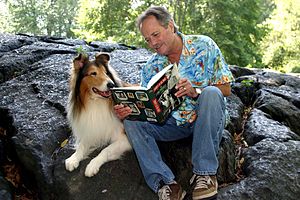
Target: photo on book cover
(121,95)
(142,96)
(134,108)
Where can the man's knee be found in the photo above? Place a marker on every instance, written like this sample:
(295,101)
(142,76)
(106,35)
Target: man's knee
(211,90)
(211,97)
(211,94)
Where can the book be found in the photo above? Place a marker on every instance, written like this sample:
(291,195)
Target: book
(152,103)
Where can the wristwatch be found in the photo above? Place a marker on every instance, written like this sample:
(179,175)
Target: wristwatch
(198,90)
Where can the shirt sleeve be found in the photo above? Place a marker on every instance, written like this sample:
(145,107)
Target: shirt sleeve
(155,64)
(147,72)
(143,77)
(216,65)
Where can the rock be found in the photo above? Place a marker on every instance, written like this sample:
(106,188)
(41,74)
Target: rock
(226,171)
(2,153)
(280,109)
(245,90)
(34,73)
(128,63)
(119,179)
(6,189)
(272,172)
(235,109)
(109,47)
(260,126)
(240,72)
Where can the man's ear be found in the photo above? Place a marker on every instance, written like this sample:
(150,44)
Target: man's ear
(80,60)
(171,25)
(102,58)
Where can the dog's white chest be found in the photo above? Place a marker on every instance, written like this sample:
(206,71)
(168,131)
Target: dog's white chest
(97,122)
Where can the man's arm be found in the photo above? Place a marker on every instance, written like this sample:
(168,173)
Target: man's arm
(225,89)
(125,84)
(184,87)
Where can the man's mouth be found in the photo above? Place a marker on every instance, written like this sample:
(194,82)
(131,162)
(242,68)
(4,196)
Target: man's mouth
(157,47)
(105,94)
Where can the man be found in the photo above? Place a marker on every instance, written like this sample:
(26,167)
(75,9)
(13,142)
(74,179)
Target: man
(205,81)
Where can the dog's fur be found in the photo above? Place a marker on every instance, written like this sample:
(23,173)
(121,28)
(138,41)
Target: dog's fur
(91,115)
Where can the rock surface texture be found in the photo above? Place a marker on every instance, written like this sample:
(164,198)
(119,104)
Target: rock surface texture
(259,154)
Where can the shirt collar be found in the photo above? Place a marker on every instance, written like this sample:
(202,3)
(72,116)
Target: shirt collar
(185,49)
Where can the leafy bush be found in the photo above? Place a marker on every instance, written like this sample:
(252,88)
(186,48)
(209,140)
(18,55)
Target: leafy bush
(296,69)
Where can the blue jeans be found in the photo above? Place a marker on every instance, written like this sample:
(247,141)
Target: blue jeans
(206,130)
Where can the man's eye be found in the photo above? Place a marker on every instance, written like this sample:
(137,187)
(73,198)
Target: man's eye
(156,34)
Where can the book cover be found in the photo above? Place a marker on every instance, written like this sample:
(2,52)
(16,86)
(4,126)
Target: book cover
(152,103)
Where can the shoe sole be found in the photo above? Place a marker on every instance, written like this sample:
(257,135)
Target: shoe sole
(207,197)
(214,197)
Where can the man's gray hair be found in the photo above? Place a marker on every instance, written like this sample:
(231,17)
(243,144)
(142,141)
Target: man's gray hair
(160,13)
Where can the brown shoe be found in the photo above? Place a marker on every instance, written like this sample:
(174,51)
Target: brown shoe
(206,187)
(171,192)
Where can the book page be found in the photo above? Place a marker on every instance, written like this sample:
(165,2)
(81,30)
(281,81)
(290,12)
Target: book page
(174,78)
(129,88)
(155,78)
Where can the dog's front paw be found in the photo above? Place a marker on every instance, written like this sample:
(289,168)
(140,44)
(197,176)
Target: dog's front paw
(92,169)
(71,163)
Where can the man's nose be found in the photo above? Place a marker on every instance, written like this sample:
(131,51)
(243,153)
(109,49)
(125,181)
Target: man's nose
(153,42)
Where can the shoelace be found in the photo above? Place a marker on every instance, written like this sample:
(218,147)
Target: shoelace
(201,181)
(164,192)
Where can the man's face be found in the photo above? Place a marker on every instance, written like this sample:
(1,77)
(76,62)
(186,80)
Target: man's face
(158,38)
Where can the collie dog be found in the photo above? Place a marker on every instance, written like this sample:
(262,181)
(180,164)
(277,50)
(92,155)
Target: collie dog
(91,114)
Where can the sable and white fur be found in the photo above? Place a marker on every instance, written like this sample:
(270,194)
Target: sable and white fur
(91,115)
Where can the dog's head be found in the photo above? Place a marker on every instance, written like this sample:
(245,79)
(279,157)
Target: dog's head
(94,78)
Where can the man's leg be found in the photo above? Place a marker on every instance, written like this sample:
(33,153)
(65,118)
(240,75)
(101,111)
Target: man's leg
(208,130)
(207,136)
(143,136)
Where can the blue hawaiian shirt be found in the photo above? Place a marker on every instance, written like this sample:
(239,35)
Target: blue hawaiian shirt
(201,62)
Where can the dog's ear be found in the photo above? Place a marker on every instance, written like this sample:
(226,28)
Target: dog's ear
(102,58)
(80,60)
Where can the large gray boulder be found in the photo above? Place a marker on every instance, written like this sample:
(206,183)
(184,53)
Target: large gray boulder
(34,73)
(271,170)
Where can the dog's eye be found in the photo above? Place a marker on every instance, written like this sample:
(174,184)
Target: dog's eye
(93,74)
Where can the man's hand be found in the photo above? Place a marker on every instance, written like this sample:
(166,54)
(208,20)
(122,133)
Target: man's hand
(185,88)
(122,111)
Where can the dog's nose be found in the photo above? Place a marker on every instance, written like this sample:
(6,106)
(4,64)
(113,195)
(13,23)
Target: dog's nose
(110,85)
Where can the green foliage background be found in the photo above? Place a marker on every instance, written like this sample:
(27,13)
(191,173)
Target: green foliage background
(253,33)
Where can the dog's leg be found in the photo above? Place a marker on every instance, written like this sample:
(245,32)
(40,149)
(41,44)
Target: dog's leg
(72,162)
(112,152)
